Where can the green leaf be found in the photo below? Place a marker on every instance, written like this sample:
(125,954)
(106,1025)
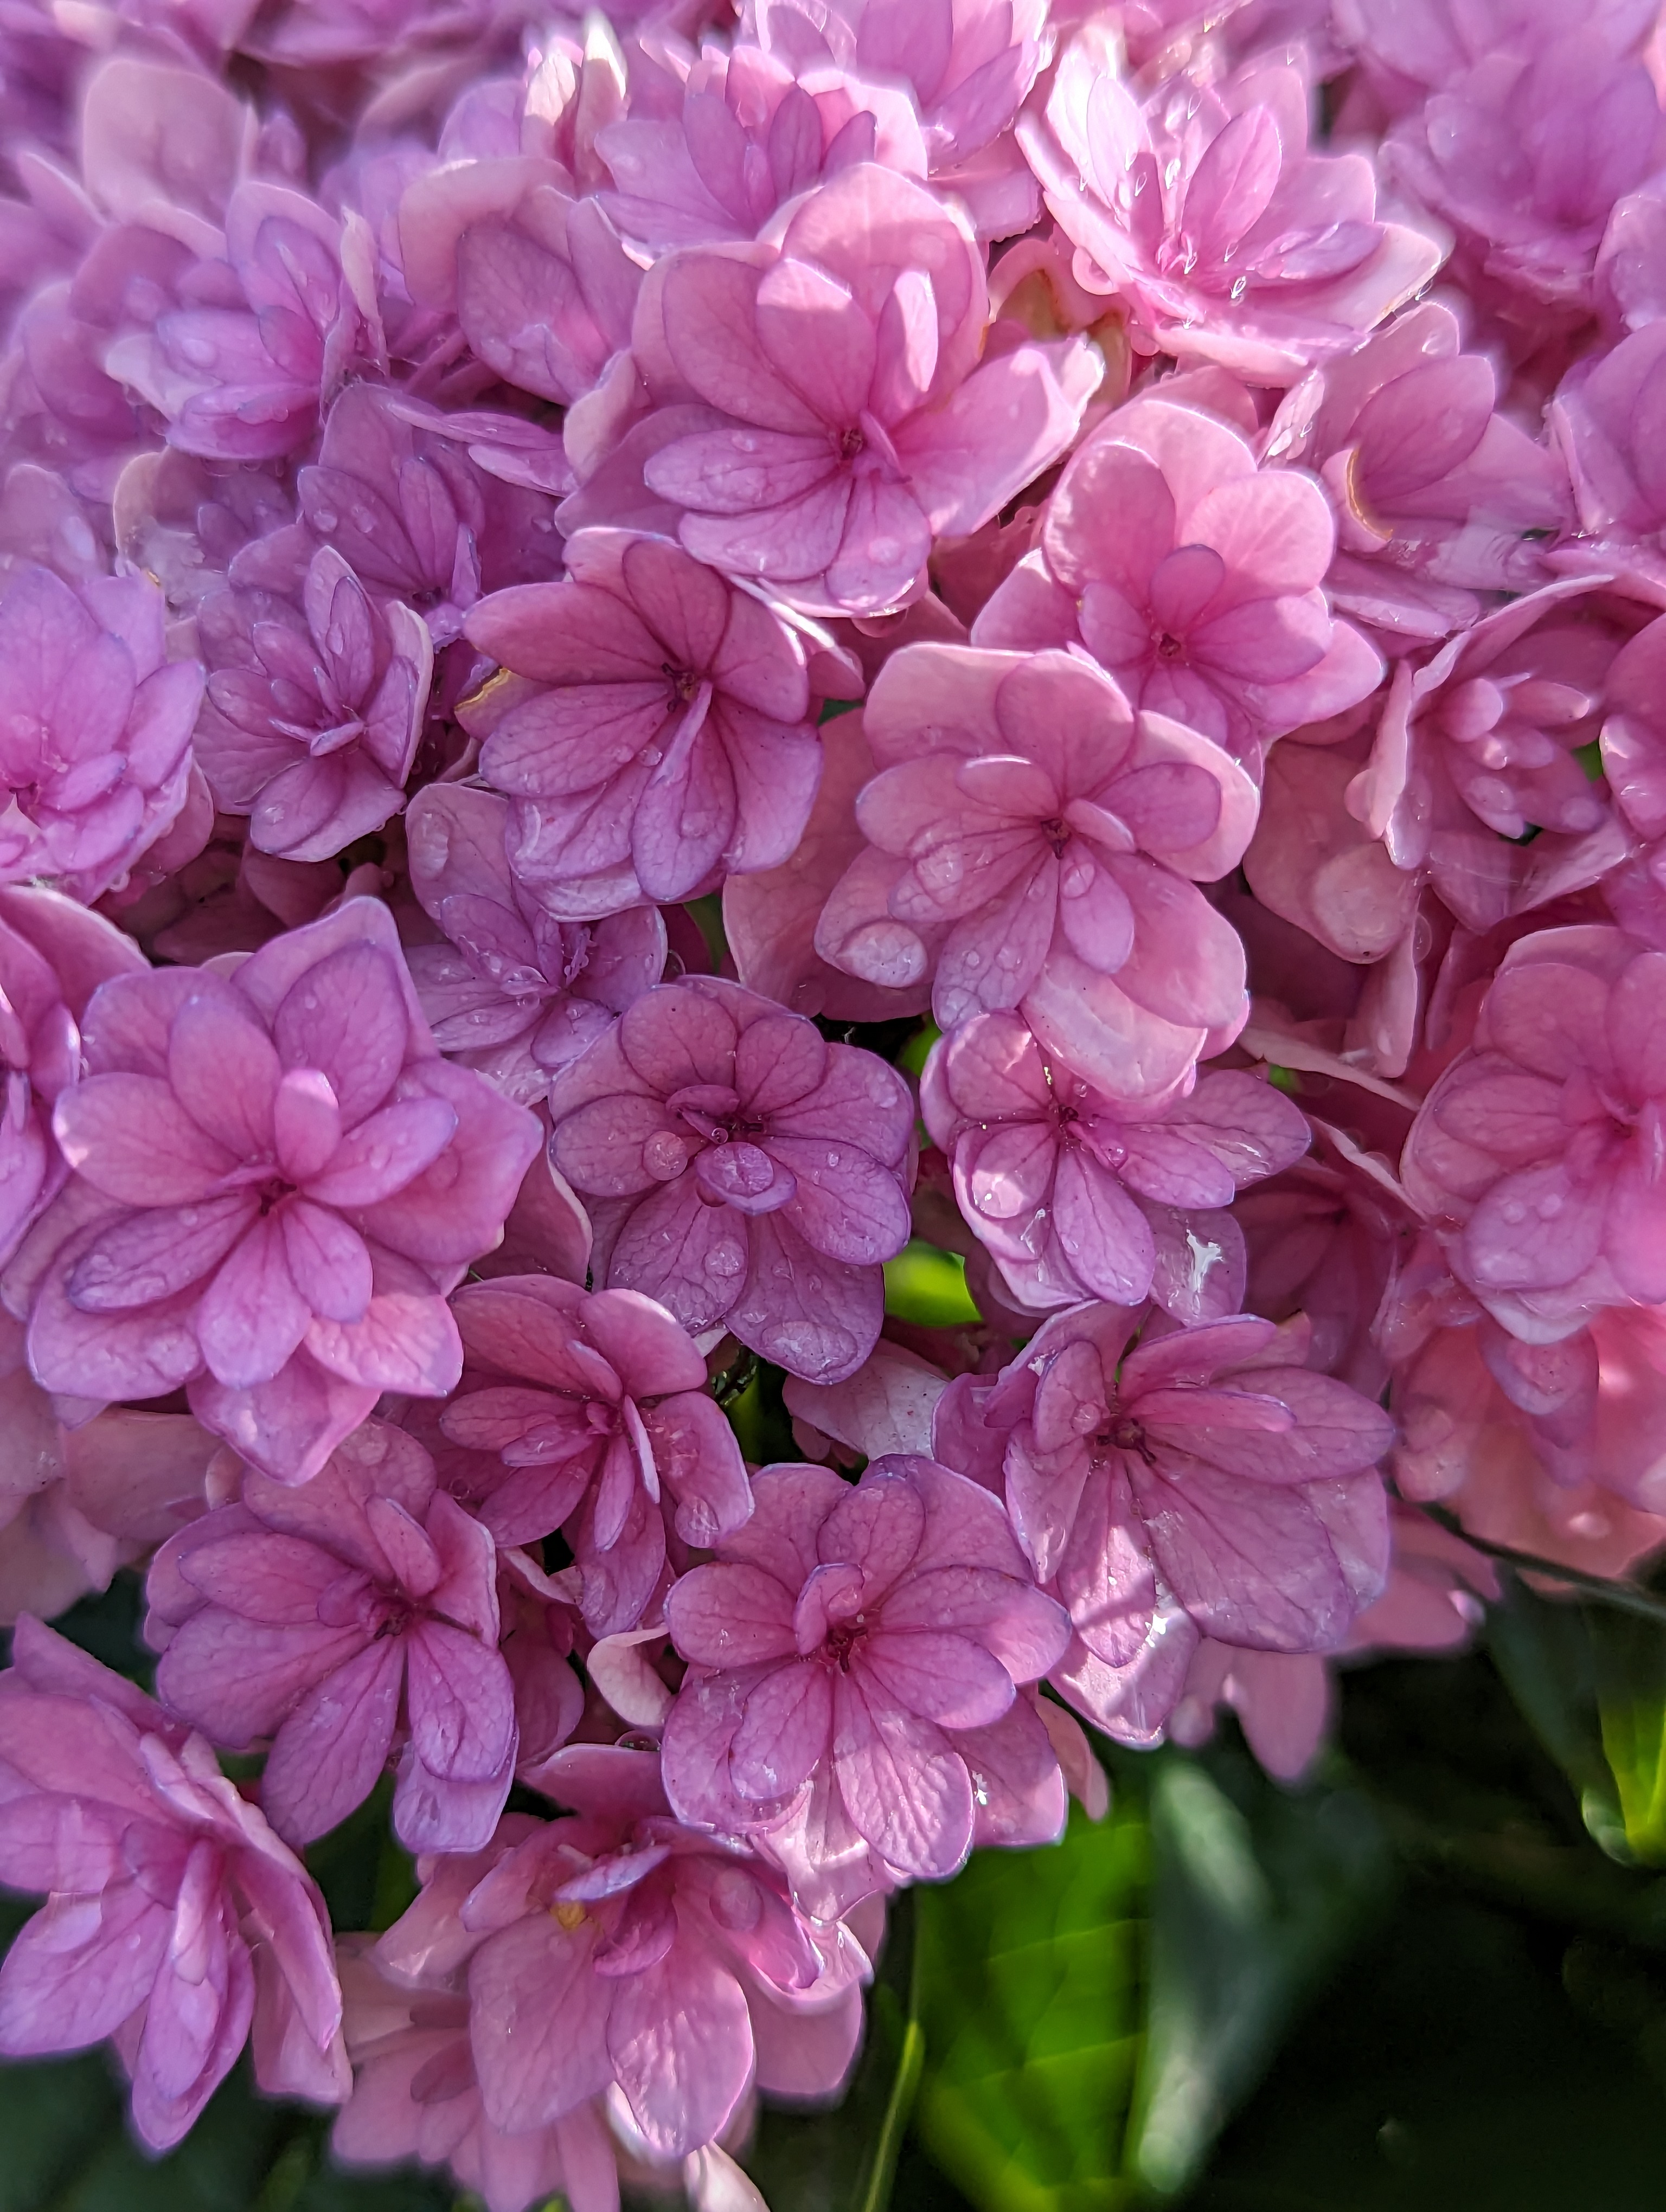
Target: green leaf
(916,1053)
(1591,1680)
(1031,1992)
(928,1287)
(366,1875)
(706,915)
(758,1413)
(1258,1891)
(1631,1704)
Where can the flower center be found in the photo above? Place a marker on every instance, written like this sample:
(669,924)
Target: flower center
(1122,1434)
(852,442)
(842,1640)
(273,1194)
(684,682)
(1169,646)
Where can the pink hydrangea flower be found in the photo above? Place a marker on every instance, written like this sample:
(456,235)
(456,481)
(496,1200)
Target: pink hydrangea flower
(162,149)
(623,1951)
(839,415)
(1551,1448)
(1526,154)
(75,1503)
(1203,1482)
(1437,497)
(1075,1199)
(756,127)
(885,1408)
(403,501)
(659,732)
(770,919)
(176,1920)
(314,708)
(1327,1239)
(337,1618)
(1195,577)
(1201,208)
(969,65)
(742,1171)
(321,34)
(53,956)
(1630,277)
(1534,1153)
(95,730)
(1604,417)
(415,2094)
(863,1648)
(293,313)
(1419,46)
(1479,743)
(1285,1701)
(513,993)
(278,1179)
(1316,864)
(1030,843)
(589,1413)
(542,290)
(541,1629)
(1633,744)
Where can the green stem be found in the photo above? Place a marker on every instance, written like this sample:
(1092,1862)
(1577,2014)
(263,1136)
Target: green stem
(1626,1597)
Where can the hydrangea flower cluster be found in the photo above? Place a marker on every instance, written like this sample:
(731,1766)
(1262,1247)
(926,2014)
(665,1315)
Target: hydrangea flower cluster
(642,660)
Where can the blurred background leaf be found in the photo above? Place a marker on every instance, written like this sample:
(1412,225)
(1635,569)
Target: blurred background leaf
(928,1287)
(1030,1975)
(1591,1678)
(1257,1892)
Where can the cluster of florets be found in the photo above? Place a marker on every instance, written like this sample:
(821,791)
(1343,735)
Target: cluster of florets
(772,630)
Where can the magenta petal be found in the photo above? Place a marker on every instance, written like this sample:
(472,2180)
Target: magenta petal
(908,1792)
(1251,1565)
(783,1732)
(252,1317)
(689,1255)
(406,1342)
(538,2021)
(460,1701)
(940,1676)
(384,1153)
(327,1260)
(435,1813)
(730,1615)
(306,1122)
(224,1074)
(328,1754)
(1019,1625)
(148,1256)
(817,1317)
(78,1970)
(132,1140)
(1102,1232)
(347,1015)
(698,1457)
(681,2045)
(1016,1779)
(236,1677)
(1534,1230)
